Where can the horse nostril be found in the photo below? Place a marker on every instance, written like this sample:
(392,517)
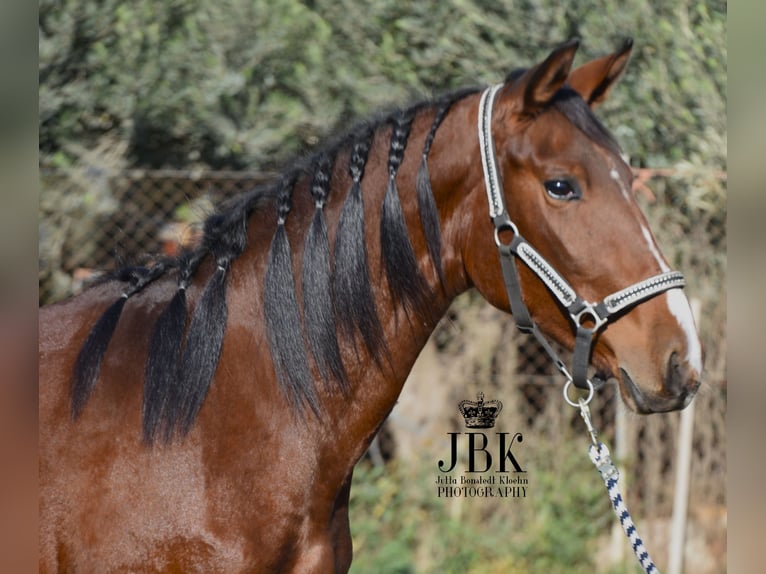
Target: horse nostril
(679,378)
(674,378)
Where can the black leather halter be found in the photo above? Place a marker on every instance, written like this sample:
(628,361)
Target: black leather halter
(587,318)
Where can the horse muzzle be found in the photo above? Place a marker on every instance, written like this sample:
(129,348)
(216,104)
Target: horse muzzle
(679,385)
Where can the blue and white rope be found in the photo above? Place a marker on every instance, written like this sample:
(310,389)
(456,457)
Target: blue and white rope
(599,455)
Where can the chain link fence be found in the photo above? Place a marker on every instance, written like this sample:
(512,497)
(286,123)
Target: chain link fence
(95,220)
(91,220)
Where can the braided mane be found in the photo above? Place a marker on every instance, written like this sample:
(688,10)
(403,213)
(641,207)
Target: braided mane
(336,286)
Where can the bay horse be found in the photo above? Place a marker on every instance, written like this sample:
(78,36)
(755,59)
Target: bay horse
(205,413)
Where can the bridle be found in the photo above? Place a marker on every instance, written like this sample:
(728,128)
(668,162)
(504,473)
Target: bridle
(587,318)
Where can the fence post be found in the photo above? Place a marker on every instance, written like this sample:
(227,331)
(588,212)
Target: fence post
(683,472)
(617,541)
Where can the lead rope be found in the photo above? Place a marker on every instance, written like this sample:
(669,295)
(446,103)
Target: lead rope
(599,456)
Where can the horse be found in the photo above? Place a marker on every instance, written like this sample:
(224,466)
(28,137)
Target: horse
(205,413)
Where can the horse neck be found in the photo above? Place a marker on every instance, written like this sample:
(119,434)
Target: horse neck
(297,276)
(377,384)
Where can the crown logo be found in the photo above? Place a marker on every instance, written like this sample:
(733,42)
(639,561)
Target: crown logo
(480,415)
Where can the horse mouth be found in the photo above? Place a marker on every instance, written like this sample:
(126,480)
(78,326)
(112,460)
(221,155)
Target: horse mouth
(644,402)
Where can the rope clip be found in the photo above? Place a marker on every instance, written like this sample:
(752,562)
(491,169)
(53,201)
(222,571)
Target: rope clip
(585,414)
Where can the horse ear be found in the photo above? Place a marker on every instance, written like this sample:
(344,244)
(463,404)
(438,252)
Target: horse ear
(540,83)
(594,79)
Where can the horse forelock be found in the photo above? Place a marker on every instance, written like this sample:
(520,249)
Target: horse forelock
(573,107)
(569,103)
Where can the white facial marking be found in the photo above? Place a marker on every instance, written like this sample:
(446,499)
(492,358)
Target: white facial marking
(680,309)
(653,248)
(615,175)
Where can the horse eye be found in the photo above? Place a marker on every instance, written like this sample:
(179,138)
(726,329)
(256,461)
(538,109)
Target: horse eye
(562,189)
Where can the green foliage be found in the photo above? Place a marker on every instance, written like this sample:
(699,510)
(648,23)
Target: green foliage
(248,83)
(399,525)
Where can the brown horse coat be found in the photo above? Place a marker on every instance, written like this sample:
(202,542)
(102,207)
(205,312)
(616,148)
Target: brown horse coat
(253,474)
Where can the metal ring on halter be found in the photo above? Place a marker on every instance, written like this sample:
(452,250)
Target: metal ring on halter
(588,313)
(577,404)
(506,225)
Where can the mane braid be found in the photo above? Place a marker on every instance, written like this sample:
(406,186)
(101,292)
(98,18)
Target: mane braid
(429,215)
(318,317)
(283,322)
(352,295)
(88,364)
(162,370)
(201,353)
(406,283)
(226,239)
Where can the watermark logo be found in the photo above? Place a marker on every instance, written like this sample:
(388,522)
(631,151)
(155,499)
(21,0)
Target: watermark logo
(482,465)
(480,415)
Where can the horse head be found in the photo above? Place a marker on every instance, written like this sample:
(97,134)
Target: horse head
(568,191)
